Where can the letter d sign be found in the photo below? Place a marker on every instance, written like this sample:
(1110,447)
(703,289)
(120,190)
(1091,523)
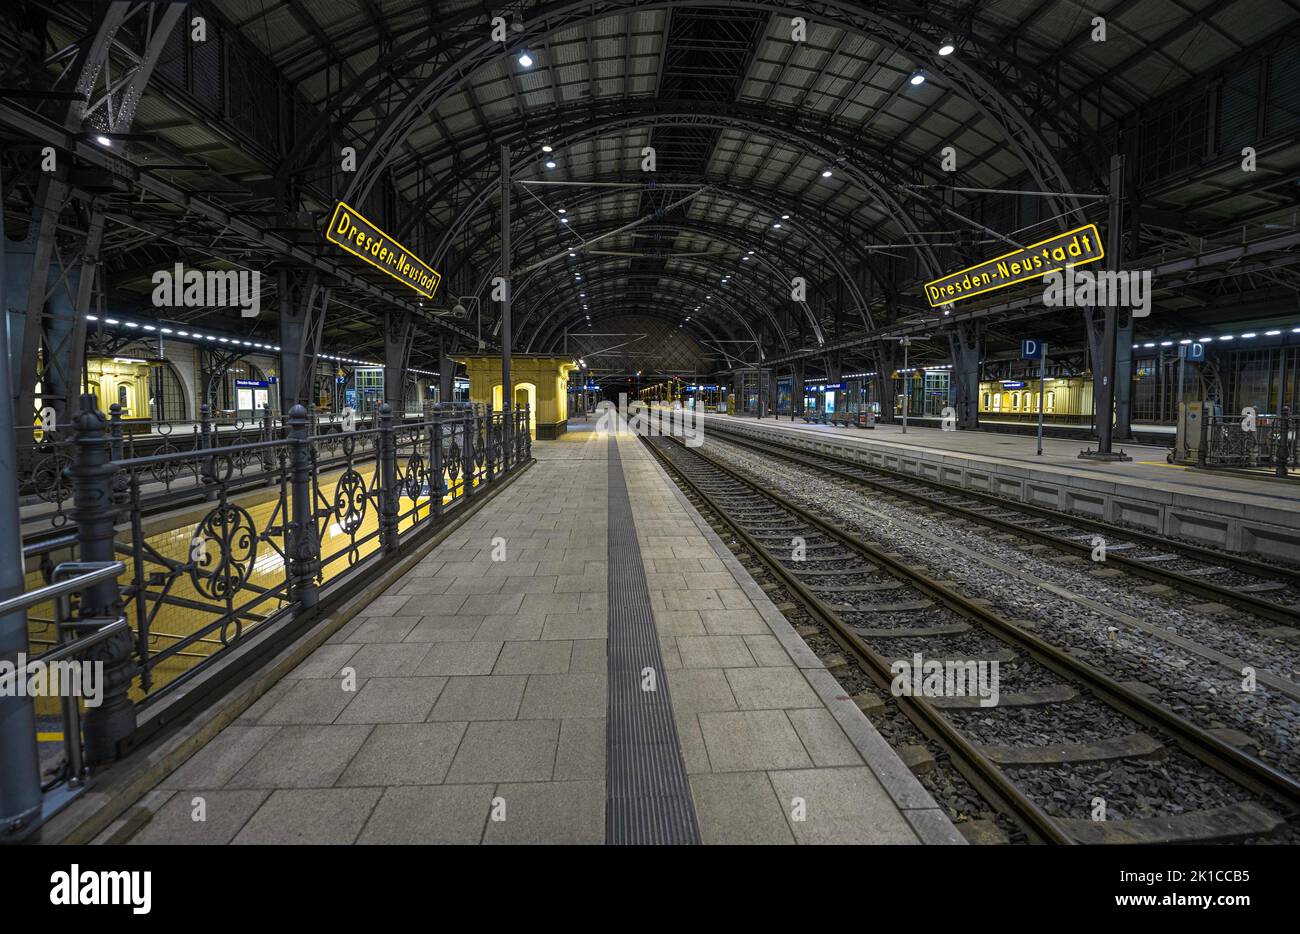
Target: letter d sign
(1030,349)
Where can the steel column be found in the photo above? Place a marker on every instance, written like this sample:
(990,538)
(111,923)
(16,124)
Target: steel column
(20,774)
(113,721)
(1124,375)
(446,373)
(1105,373)
(388,494)
(964,342)
(303,541)
(303,307)
(399,329)
(507,388)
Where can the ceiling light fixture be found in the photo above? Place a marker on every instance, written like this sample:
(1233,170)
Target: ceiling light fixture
(917,79)
(948,46)
(826,173)
(525,59)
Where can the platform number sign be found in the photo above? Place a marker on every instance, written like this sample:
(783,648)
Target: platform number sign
(1192,353)
(1031,349)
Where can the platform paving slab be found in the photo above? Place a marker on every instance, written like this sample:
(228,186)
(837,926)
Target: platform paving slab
(475,689)
(761,740)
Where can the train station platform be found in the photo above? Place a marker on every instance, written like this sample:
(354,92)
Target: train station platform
(581,660)
(1255,515)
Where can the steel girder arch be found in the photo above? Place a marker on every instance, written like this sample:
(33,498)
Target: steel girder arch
(648,307)
(758,120)
(53,272)
(612,295)
(799,135)
(639,287)
(545,332)
(970,82)
(776,284)
(575,121)
(606,290)
(818,244)
(814,223)
(658,308)
(688,281)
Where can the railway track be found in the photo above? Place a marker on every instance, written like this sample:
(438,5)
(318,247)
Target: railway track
(1262,589)
(1054,712)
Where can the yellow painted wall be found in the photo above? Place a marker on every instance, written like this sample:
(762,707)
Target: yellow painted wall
(1066,396)
(545,380)
(108,376)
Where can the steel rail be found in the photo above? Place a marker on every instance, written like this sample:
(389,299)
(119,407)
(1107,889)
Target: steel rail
(977,768)
(1274,611)
(1228,760)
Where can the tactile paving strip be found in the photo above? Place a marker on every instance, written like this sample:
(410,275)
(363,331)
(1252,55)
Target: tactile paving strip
(648,795)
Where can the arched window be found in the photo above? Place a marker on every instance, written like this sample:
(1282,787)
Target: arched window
(1051,401)
(168,400)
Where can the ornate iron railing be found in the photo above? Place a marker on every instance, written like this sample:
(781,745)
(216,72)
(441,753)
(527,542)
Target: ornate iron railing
(44,454)
(1264,442)
(221,540)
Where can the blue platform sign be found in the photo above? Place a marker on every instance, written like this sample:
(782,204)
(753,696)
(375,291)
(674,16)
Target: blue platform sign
(1193,353)
(1031,349)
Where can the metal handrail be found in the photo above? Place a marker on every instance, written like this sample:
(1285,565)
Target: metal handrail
(88,572)
(67,578)
(77,645)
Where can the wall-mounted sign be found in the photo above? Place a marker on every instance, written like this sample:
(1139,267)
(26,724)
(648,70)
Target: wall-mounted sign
(252,382)
(1013,384)
(1072,248)
(363,239)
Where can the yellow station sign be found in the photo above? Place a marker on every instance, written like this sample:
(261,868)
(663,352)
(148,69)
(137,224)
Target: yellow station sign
(1072,248)
(350,230)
